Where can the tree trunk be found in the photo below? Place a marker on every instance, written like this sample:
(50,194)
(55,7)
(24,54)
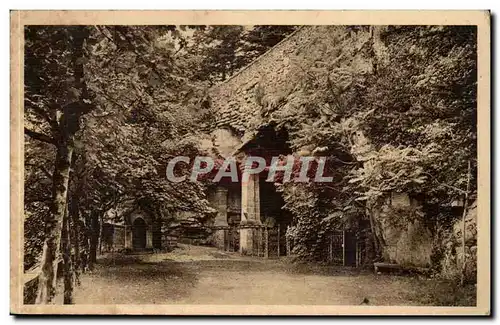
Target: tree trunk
(68,125)
(68,267)
(86,264)
(94,239)
(100,234)
(464,228)
(53,223)
(75,219)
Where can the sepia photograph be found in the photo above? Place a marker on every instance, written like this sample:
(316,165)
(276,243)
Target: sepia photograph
(250,162)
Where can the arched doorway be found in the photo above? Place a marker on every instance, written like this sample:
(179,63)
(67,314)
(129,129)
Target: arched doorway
(139,234)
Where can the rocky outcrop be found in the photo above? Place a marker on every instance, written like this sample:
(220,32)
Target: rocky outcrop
(403,236)
(453,257)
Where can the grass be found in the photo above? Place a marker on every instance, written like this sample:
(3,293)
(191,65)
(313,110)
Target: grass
(437,292)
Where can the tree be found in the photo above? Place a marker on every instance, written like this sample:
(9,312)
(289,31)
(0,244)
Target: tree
(217,48)
(113,104)
(56,92)
(260,38)
(222,50)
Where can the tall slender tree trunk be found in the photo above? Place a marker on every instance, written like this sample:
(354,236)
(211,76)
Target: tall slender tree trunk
(100,234)
(75,220)
(87,264)
(68,125)
(94,238)
(53,223)
(464,228)
(68,267)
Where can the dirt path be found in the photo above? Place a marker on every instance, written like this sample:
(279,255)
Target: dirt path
(201,275)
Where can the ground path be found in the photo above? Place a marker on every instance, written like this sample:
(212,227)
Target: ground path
(203,275)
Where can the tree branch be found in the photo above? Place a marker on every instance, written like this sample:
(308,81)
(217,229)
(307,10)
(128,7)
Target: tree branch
(42,113)
(39,136)
(47,199)
(42,168)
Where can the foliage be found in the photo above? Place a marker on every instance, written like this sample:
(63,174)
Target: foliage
(217,47)
(431,100)
(260,38)
(395,110)
(392,169)
(146,90)
(220,51)
(142,107)
(51,89)
(156,107)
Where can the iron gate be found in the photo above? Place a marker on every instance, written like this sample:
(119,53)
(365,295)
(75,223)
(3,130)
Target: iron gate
(268,242)
(344,249)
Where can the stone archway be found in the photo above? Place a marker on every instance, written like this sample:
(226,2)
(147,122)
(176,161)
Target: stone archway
(139,229)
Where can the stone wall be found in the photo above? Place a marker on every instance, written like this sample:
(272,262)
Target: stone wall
(274,76)
(119,233)
(225,142)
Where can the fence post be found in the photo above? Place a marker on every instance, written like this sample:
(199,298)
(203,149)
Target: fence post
(279,239)
(224,233)
(258,241)
(266,236)
(331,247)
(343,247)
(357,253)
(288,244)
(253,241)
(262,239)
(234,238)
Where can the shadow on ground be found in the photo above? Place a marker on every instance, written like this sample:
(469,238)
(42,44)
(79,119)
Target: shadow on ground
(202,275)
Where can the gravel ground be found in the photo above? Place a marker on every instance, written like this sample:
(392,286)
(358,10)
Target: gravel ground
(203,275)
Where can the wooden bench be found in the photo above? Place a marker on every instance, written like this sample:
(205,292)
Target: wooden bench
(390,266)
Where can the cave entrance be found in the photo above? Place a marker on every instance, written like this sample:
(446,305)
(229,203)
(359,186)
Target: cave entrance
(268,143)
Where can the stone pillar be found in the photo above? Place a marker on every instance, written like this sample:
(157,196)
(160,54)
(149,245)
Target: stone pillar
(149,237)
(221,217)
(128,237)
(250,212)
(250,201)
